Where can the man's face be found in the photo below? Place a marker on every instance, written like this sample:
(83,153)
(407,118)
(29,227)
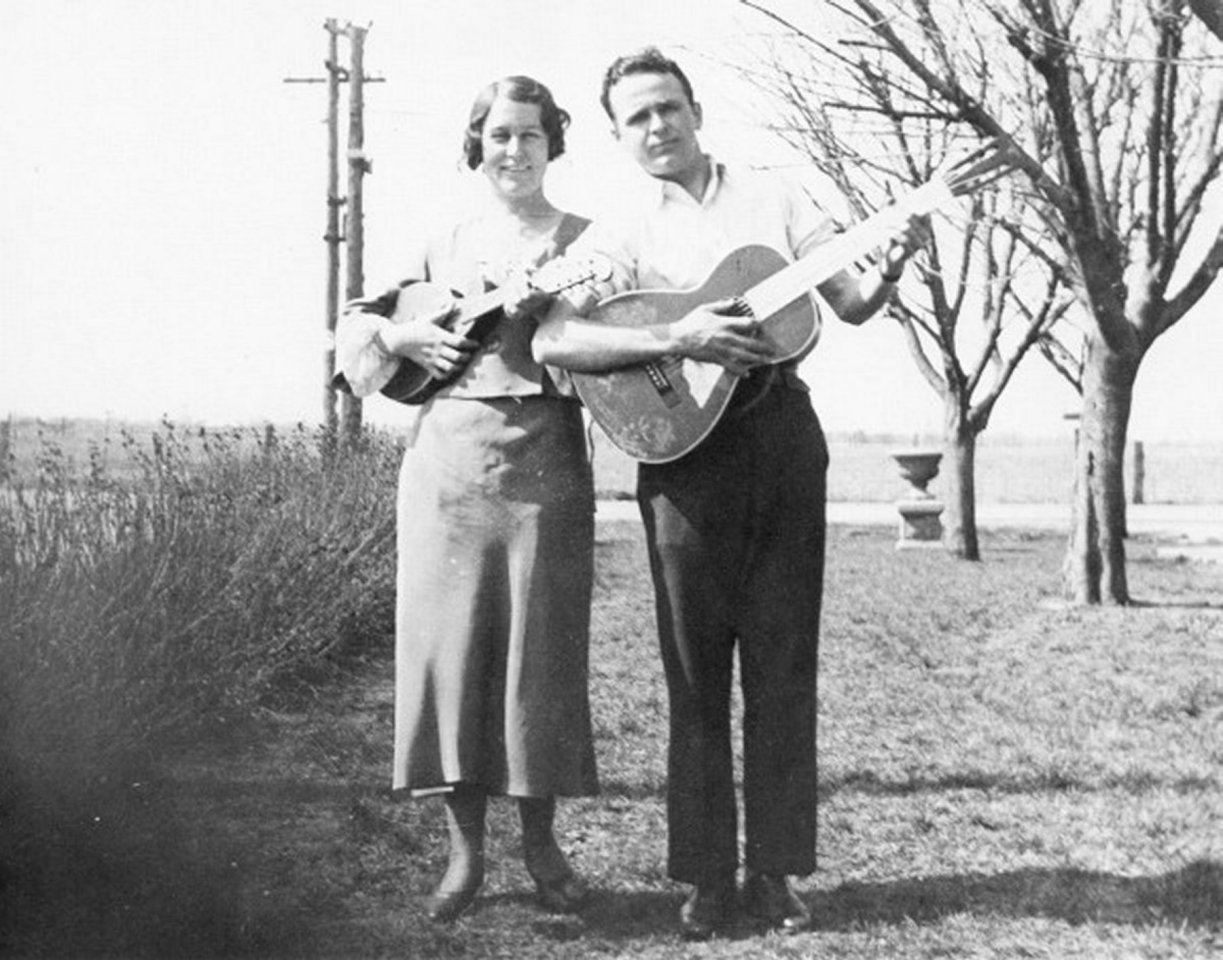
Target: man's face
(656,124)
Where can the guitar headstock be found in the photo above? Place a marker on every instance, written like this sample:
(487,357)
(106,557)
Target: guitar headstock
(565,272)
(976,168)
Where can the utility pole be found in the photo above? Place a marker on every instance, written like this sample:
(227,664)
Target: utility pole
(358,167)
(354,227)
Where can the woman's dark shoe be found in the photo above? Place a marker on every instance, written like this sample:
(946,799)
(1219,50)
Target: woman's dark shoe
(558,888)
(565,893)
(769,898)
(709,906)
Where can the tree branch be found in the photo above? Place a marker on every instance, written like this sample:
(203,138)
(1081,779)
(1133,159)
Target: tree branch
(909,324)
(1192,292)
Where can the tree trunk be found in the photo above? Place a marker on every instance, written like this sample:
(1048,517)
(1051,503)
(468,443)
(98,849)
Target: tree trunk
(1095,560)
(960,454)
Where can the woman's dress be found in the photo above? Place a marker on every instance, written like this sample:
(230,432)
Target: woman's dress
(495,552)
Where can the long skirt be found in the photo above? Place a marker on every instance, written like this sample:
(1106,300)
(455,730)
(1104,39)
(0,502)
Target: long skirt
(495,567)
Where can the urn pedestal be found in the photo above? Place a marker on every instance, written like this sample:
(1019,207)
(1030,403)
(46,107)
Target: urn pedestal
(920,510)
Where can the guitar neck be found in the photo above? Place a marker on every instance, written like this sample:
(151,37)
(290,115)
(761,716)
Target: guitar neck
(788,284)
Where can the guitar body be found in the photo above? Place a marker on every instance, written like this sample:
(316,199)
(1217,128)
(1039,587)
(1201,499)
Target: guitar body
(413,384)
(660,411)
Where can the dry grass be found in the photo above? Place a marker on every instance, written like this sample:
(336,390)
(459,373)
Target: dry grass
(135,606)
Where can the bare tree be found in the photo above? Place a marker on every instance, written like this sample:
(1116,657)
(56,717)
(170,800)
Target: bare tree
(976,271)
(1125,97)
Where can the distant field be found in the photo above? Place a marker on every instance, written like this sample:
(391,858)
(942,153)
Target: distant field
(1009,470)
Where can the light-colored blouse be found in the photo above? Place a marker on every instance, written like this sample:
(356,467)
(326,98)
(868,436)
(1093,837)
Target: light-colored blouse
(473,256)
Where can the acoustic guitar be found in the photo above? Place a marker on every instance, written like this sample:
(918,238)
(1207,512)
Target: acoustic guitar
(474,318)
(657,412)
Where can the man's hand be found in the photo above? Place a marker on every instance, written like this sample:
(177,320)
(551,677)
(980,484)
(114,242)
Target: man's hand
(582,298)
(719,333)
(911,236)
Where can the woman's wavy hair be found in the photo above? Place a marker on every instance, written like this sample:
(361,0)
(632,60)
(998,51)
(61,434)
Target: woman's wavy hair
(521,90)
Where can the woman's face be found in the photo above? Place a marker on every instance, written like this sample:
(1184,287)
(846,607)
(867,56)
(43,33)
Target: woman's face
(515,147)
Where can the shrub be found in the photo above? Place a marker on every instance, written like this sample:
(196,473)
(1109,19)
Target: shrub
(137,608)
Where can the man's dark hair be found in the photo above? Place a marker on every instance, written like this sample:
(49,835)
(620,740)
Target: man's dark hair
(521,90)
(649,60)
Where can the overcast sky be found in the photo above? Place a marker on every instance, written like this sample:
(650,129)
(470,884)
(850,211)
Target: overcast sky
(163,196)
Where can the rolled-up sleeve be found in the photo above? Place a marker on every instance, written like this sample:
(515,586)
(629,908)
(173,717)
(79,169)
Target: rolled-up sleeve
(358,355)
(807,226)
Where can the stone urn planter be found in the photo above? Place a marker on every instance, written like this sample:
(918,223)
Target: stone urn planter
(919,509)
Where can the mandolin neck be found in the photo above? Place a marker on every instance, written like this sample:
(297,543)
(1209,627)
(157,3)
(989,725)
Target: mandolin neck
(472,309)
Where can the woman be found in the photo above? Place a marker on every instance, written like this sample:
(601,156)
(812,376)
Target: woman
(495,520)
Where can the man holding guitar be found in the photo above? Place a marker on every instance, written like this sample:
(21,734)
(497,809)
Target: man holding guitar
(735,521)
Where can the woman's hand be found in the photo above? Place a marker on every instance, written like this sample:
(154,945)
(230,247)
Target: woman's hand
(719,332)
(428,343)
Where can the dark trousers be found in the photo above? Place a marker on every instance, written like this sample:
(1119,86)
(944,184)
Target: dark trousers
(736,534)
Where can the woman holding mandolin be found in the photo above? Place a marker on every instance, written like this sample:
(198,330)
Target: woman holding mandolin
(495,514)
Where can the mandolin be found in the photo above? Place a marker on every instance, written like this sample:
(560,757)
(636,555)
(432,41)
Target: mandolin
(474,318)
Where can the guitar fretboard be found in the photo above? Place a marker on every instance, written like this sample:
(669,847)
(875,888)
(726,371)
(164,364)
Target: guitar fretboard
(788,284)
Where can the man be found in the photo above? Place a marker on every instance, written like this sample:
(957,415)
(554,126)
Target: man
(735,528)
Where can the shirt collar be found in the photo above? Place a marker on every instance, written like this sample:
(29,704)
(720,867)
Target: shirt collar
(670,192)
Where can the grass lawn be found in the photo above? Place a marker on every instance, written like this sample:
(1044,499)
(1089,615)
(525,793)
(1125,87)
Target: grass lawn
(1001,776)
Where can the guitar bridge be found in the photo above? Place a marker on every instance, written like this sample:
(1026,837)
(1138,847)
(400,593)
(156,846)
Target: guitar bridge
(662,383)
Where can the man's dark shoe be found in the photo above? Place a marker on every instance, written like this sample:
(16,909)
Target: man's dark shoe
(709,906)
(769,898)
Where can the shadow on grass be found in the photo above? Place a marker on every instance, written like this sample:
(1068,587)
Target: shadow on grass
(635,917)
(1192,895)
(610,914)
(1141,603)
(107,869)
(870,783)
